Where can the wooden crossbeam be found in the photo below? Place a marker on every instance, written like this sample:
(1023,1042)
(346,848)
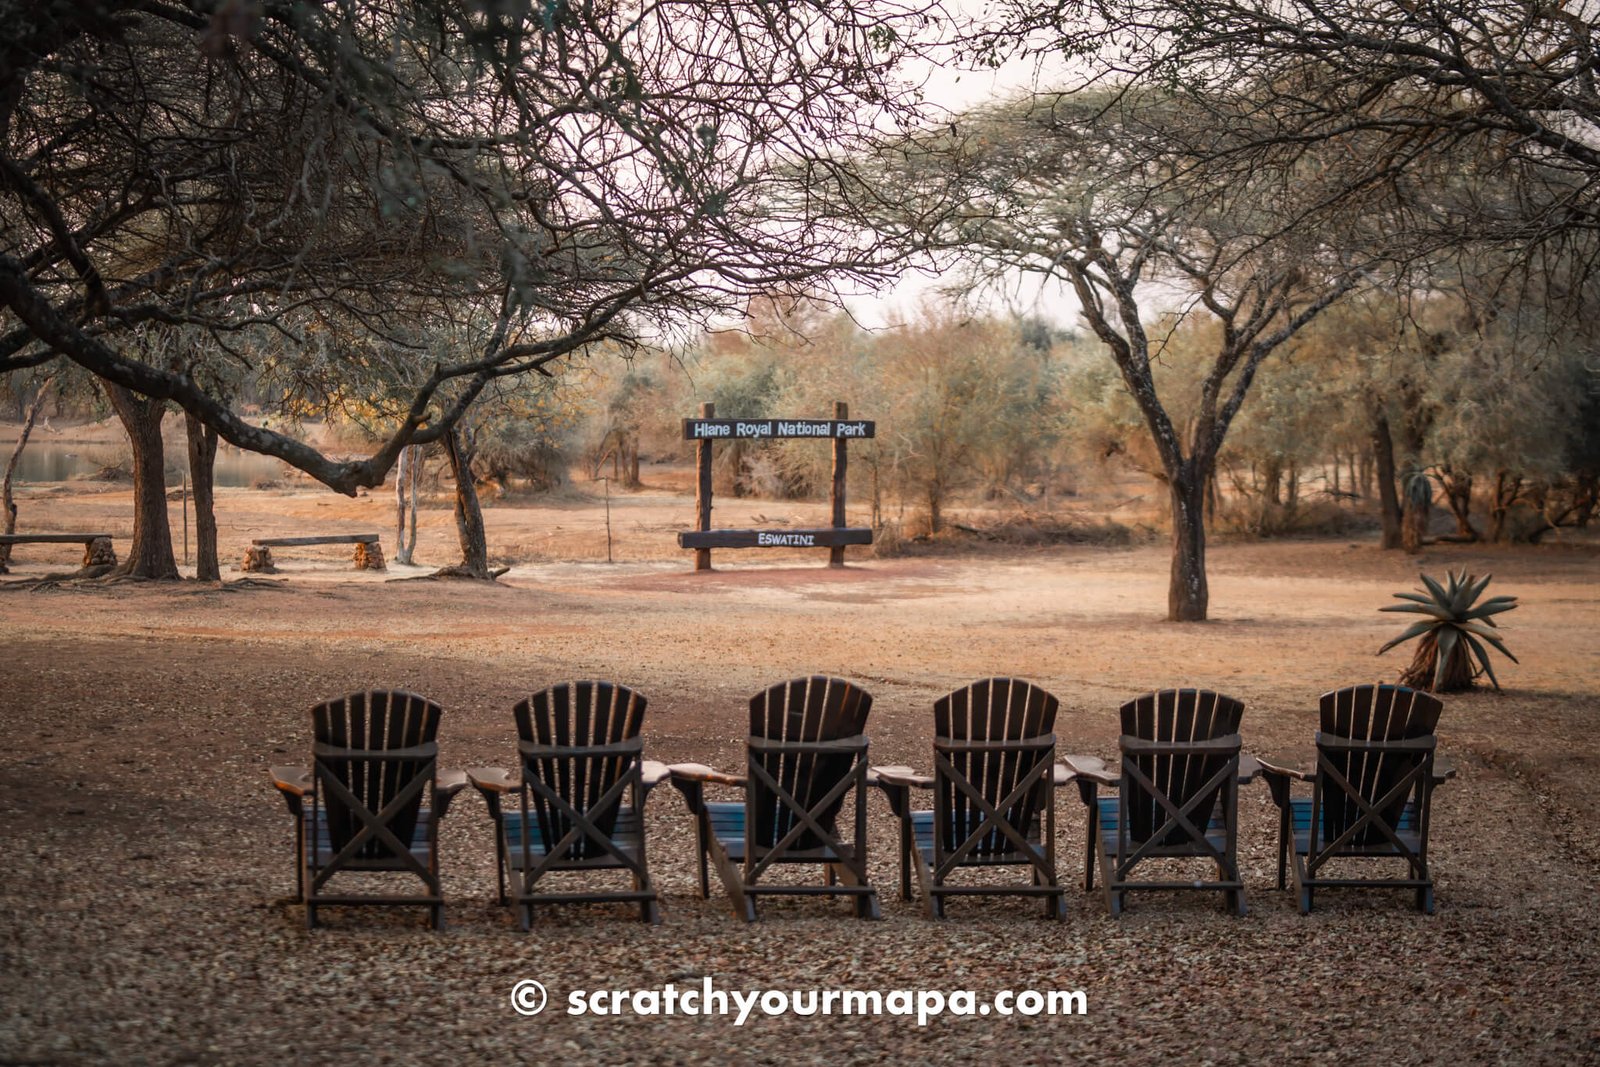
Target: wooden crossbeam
(52,539)
(332,539)
(809,537)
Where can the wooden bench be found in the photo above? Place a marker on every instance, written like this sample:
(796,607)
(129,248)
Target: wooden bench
(369,556)
(97,550)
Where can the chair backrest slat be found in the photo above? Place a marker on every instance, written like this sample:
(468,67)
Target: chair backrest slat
(996,710)
(579,715)
(817,708)
(374,722)
(1373,714)
(1177,716)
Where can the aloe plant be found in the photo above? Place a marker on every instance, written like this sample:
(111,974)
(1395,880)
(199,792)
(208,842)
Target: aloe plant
(1453,634)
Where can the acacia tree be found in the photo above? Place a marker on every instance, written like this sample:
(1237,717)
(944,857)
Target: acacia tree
(590,172)
(1095,190)
(1480,116)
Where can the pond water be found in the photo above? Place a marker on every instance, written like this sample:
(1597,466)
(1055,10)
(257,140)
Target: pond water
(50,461)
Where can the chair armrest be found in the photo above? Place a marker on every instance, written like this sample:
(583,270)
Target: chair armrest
(1088,768)
(446,785)
(292,783)
(1444,769)
(493,779)
(1294,766)
(699,772)
(491,783)
(654,772)
(896,775)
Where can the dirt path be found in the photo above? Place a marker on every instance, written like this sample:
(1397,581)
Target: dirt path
(149,862)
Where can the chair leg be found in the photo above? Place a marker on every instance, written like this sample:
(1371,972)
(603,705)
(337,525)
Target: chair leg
(1284,831)
(437,917)
(1303,891)
(1425,900)
(906,844)
(311,916)
(1089,850)
(300,860)
(705,873)
(500,866)
(1108,876)
(525,917)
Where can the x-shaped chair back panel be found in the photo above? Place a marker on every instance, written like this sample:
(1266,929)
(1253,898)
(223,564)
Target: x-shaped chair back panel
(994,758)
(1373,754)
(1180,765)
(375,754)
(580,747)
(807,753)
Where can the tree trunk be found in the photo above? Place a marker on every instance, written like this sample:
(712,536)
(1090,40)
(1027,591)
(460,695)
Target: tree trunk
(406,473)
(1416,511)
(8,506)
(1458,495)
(935,510)
(1272,480)
(469,512)
(202,467)
(1588,497)
(150,555)
(1506,491)
(1187,595)
(632,480)
(1384,472)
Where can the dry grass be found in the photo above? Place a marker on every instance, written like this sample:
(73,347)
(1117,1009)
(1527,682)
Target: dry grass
(149,862)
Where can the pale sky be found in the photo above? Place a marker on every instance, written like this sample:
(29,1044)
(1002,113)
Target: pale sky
(955,88)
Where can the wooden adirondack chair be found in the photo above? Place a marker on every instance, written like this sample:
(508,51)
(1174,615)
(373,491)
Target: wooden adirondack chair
(578,804)
(1177,794)
(1372,784)
(993,795)
(359,807)
(807,755)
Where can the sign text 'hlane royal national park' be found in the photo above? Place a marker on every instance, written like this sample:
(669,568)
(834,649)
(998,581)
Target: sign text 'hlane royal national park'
(775,429)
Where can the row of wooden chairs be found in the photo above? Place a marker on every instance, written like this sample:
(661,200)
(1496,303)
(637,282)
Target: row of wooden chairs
(374,795)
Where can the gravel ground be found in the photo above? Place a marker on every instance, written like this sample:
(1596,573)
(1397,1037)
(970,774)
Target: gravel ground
(146,909)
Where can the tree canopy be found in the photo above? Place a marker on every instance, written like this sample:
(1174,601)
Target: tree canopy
(574,172)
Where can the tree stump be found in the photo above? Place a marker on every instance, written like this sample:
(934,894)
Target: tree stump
(369,556)
(258,560)
(99,553)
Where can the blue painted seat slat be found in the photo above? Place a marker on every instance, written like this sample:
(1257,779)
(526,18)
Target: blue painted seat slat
(320,840)
(727,824)
(1216,832)
(625,835)
(1300,818)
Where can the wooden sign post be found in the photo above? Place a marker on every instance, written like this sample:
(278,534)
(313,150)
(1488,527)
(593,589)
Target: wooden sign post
(706,430)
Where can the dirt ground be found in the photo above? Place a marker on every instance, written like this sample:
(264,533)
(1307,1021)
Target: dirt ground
(147,914)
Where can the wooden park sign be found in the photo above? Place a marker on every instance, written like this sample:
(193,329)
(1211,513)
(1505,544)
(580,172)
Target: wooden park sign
(706,431)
